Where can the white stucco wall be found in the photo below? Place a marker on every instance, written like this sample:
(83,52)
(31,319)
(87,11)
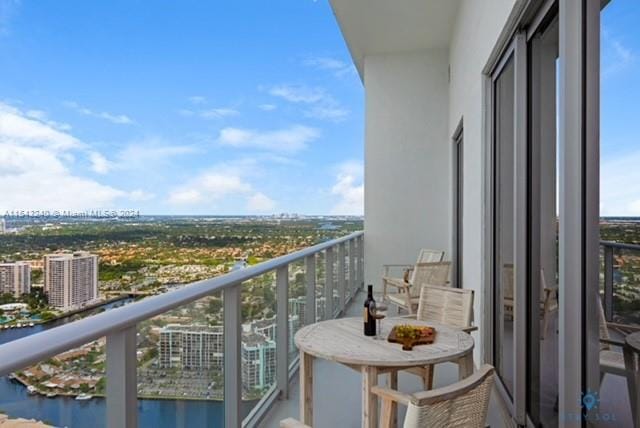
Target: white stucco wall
(407,158)
(475,34)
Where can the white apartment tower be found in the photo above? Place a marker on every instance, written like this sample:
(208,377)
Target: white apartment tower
(3,225)
(15,278)
(191,347)
(71,280)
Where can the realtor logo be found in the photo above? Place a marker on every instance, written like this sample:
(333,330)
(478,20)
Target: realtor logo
(590,400)
(589,403)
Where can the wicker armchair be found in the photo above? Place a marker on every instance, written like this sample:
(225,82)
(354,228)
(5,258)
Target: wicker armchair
(407,293)
(463,404)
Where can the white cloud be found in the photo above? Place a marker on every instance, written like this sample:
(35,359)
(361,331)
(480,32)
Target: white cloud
(338,67)
(141,196)
(321,104)
(35,178)
(151,150)
(17,127)
(42,117)
(619,194)
(119,119)
(260,203)
(299,93)
(218,113)
(197,99)
(615,57)
(349,188)
(99,164)
(634,208)
(267,107)
(185,197)
(212,186)
(212,113)
(288,140)
(222,185)
(336,114)
(37,170)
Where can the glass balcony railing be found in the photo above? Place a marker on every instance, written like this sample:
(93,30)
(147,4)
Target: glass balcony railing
(620,282)
(215,353)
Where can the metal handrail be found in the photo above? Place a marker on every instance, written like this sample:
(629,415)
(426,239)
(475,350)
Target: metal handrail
(620,245)
(32,349)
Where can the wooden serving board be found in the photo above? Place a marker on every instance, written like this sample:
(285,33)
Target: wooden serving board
(408,344)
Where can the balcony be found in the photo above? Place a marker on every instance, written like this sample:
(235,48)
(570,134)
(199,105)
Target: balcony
(258,360)
(255,361)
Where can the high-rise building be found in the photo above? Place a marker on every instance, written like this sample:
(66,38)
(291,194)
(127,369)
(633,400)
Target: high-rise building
(71,279)
(3,225)
(191,347)
(199,347)
(258,362)
(15,278)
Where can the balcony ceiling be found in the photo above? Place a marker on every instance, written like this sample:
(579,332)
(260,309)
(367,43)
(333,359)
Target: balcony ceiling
(386,26)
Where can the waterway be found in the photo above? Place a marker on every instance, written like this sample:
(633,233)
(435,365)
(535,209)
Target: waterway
(69,412)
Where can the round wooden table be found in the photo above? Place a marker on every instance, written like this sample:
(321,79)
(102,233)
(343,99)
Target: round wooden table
(342,340)
(631,350)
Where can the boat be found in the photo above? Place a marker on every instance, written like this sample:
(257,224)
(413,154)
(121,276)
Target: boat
(31,324)
(12,376)
(31,389)
(52,394)
(84,397)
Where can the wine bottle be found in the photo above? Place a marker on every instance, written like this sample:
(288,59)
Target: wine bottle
(369,311)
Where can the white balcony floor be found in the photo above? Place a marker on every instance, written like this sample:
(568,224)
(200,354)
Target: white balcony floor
(337,398)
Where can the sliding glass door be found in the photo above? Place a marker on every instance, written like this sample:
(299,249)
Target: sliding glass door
(542,199)
(542,322)
(503,251)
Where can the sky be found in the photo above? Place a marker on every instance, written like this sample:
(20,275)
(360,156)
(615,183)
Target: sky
(222,107)
(620,109)
(190,107)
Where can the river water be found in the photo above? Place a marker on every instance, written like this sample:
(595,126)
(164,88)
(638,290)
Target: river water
(68,412)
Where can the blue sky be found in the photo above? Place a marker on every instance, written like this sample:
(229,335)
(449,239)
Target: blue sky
(234,107)
(192,107)
(620,109)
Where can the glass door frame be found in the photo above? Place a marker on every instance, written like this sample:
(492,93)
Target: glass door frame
(457,181)
(516,52)
(578,141)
